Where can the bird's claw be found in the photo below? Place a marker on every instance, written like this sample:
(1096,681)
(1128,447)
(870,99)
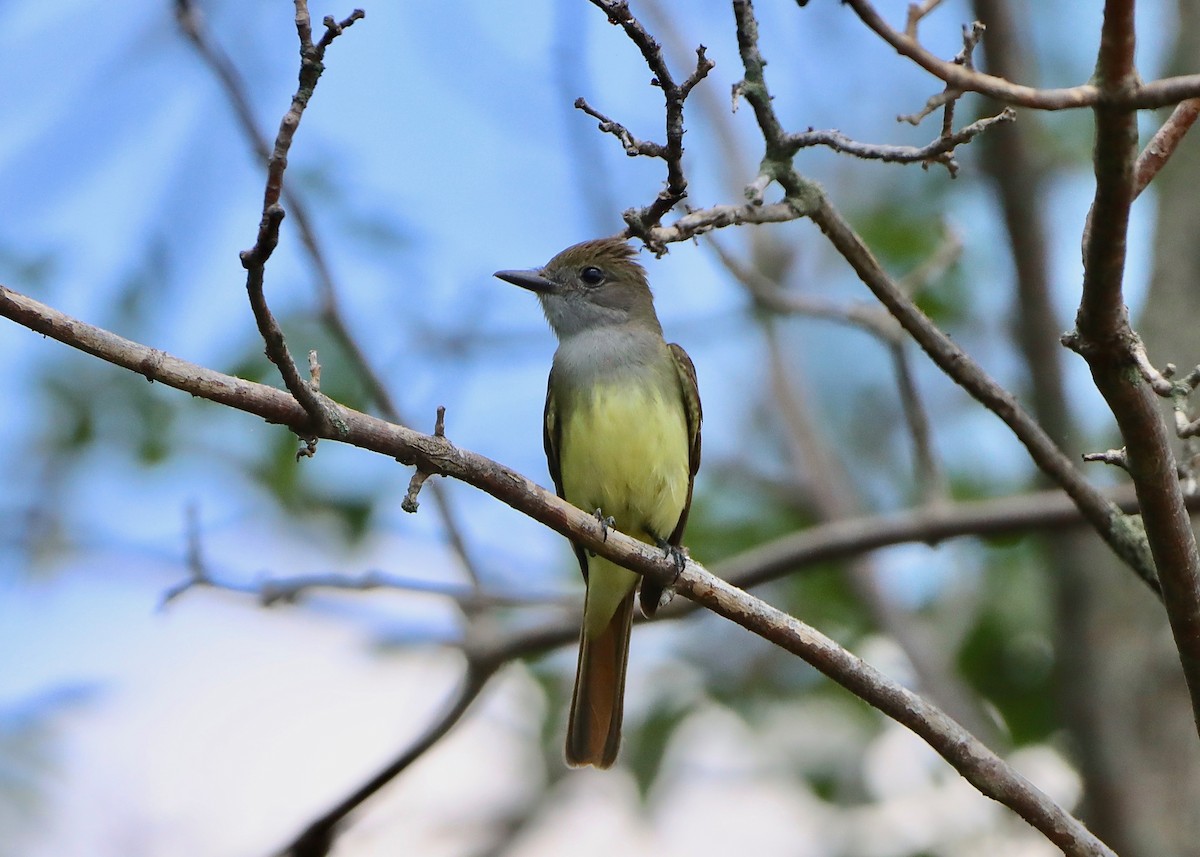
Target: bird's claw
(605,522)
(678,555)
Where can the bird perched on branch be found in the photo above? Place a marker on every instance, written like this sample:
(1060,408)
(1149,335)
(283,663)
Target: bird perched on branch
(622,438)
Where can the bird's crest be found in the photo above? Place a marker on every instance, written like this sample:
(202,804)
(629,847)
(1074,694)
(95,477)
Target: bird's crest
(613,254)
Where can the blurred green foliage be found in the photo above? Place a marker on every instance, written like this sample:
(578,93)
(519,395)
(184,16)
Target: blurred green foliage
(1007,654)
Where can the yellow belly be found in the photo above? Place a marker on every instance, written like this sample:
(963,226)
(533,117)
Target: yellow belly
(625,451)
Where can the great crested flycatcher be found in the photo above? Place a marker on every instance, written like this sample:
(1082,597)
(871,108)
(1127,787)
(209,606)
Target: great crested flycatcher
(622,437)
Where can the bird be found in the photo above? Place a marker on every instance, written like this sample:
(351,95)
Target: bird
(622,440)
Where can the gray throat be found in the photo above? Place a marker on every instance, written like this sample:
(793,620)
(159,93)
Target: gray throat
(612,354)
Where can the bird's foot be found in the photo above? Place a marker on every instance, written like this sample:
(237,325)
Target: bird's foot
(653,596)
(678,555)
(605,522)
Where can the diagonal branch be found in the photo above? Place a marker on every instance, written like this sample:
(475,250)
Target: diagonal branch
(1125,538)
(318,837)
(1164,142)
(979,765)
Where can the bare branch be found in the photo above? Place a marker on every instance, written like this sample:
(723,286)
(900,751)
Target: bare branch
(1127,541)
(273,591)
(331,313)
(950,95)
(939,151)
(409,503)
(696,223)
(875,321)
(771,297)
(978,764)
(945,255)
(322,416)
(1106,341)
(916,12)
(632,145)
(1160,382)
(642,221)
(1159,93)
(318,837)
(198,574)
(928,471)
(1115,457)
(1164,142)
(970,375)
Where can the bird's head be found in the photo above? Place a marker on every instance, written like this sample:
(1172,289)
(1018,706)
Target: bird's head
(590,285)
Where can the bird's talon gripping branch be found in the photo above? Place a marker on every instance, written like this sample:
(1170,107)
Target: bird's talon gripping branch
(606,522)
(678,555)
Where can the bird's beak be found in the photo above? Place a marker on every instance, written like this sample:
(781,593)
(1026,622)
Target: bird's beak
(532,280)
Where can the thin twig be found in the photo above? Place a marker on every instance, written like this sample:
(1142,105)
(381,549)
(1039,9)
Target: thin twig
(917,12)
(1164,142)
(1159,93)
(940,150)
(318,837)
(930,478)
(291,589)
(1126,540)
(632,145)
(641,221)
(198,573)
(322,417)
(696,223)
(767,294)
(949,96)
(1160,382)
(332,316)
(1115,457)
(875,321)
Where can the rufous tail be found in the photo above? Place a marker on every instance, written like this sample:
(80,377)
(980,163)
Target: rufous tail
(597,705)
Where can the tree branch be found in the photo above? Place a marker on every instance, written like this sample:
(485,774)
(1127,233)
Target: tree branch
(1164,142)
(322,417)
(642,221)
(1159,93)
(972,759)
(1106,341)
(318,837)
(1125,539)
(939,151)
(332,317)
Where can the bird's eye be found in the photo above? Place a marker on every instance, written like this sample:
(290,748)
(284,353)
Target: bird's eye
(591,276)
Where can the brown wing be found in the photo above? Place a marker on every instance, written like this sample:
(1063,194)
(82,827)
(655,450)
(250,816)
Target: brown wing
(650,593)
(691,403)
(552,440)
